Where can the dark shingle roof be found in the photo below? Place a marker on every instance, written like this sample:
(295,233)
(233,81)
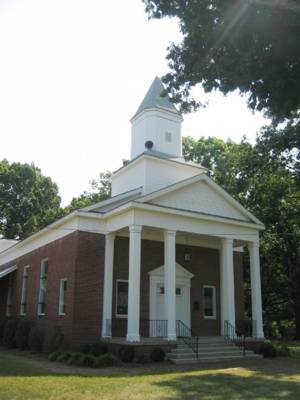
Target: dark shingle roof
(154,98)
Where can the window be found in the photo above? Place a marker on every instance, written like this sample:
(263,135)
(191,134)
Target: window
(161,290)
(43,286)
(209,302)
(62,297)
(168,136)
(122,298)
(24,291)
(8,301)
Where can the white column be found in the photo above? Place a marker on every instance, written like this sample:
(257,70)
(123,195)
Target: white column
(227,284)
(170,282)
(133,321)
(258,331)
(108,285)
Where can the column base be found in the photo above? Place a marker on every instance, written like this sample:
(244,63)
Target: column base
(133,337)
(172,337)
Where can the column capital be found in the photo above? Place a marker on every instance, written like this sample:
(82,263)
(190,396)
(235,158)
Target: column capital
(253,244)
(170,232)
(135,228)
(110,236)
(228,241)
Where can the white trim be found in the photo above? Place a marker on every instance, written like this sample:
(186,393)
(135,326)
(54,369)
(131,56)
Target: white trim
(112,200)
(42,272)
(7,271)
(121,316)
(62,296)
(24,293)
(214,316)
(198,178)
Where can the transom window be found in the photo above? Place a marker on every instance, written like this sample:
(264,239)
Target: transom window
(23,310)
(209,302)
(161,290)
(43,287)
(122,299)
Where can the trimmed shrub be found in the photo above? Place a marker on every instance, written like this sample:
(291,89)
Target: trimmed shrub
(142,359)
(9,334)
(106,360)
(53,340)
(126,354)
(75,358)
(36,339)
(85,348)
(98,349)
(157,354)
(282,349)
(268,349)
(86,360)
(22,333)
(3,321)
(53,356)
(63,356)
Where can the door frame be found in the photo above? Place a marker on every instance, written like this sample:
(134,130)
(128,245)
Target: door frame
(183,279)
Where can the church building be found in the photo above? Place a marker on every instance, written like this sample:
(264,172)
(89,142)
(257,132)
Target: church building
(163,257)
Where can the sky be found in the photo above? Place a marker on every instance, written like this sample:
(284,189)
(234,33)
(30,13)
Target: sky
(73,73)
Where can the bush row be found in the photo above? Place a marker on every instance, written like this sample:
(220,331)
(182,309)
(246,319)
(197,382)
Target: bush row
(274,349)
(24,334)
(97,355)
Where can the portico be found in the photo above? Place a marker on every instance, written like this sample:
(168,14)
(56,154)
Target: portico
(169,239)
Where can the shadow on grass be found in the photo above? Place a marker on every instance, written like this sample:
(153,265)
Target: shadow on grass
(229,386)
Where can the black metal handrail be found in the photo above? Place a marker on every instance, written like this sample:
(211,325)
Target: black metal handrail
(237,334)
(189,337)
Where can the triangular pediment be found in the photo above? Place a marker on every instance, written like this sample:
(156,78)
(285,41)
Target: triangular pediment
(200,195)
(181,272)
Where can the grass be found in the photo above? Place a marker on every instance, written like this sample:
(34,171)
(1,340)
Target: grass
(25,378)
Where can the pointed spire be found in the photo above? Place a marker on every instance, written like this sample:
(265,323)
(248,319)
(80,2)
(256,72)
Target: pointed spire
(154,98)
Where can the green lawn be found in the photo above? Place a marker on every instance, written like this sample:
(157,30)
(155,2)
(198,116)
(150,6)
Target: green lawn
(27,379)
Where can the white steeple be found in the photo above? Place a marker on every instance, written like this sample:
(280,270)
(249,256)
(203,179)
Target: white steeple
(156,125)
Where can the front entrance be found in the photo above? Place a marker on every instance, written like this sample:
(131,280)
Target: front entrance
(158,315)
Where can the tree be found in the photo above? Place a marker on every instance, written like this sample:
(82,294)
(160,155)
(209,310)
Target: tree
(249,45)
(266,186)
(101,190)
(28,200)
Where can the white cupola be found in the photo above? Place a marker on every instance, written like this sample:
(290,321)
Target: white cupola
(156,147)
(156,125)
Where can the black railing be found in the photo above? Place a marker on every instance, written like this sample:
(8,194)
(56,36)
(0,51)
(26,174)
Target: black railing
(154,328)
(238,334)
(190,338)
(148,328)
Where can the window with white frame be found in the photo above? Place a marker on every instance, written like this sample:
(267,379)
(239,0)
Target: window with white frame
(23,309)
(62,297)
(122,298)
(209,302)
(43,287)
(9,296)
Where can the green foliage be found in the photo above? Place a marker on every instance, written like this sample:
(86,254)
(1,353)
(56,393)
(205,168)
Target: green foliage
(268,349)
(53,356)
(142,359)
(101,190)
(53,340)
(126,353)
(9,334)
(106,360)
(75,358)
(157,354)
(247,45)
(269,188)
(3,321)
(36,339)
(28,200)
(63,356)
(98,349)
(22,333)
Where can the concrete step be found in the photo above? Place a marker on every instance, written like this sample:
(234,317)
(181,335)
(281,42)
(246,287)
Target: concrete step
(215,359)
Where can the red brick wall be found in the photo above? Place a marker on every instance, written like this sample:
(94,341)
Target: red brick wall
(204,264)
(89,272)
